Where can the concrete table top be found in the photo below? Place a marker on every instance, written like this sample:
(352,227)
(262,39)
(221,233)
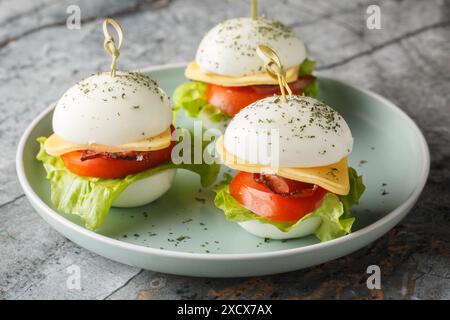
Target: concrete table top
(407,61)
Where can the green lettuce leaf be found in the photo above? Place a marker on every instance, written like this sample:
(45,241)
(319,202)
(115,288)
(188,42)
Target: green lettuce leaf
(214,114)
(357,188)
(91,198)
(336,222)
(312,90)
(191,97)
(307,67)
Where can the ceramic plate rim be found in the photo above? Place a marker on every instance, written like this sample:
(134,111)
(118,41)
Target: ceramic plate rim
(33,197)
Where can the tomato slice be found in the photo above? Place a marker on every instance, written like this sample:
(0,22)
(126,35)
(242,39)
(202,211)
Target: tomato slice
(264,199)
(111,168)
(231,100)
(115,165)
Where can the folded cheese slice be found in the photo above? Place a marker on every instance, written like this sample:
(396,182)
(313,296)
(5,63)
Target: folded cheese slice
(55,145)
(194,72)
(333,177)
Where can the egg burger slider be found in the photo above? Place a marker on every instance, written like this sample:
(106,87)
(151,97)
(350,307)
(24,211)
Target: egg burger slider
(227,74)
(291,157)
(112,144)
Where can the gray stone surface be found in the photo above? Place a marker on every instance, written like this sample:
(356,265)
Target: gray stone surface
(408,61)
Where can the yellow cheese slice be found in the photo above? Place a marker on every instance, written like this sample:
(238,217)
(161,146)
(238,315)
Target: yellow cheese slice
(55,145)
(194,72)
(333,177)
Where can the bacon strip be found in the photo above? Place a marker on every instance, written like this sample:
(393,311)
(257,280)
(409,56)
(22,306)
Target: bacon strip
(129,155)
(286,187)
(274,183)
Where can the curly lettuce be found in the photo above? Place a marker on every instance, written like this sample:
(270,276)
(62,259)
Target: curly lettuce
(357,188)
(91,198)
(306,69)
(191,97)
(335,213)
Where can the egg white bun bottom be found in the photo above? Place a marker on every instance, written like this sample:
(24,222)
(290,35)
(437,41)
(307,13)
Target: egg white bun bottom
(146,190)
(266,230)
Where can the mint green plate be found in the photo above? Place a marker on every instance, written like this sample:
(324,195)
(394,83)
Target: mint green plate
(183,233)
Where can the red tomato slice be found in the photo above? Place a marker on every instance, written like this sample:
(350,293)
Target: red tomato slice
(115,165)
(106,167)
(261,198)
(231,100)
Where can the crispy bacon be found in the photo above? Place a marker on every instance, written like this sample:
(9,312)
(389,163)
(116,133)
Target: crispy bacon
(274,183)
(286,187)
(129,155)
(296,86)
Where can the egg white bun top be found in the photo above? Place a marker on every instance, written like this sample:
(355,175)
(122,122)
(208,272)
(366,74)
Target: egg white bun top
(112,111)
(229,48)
(302,132)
